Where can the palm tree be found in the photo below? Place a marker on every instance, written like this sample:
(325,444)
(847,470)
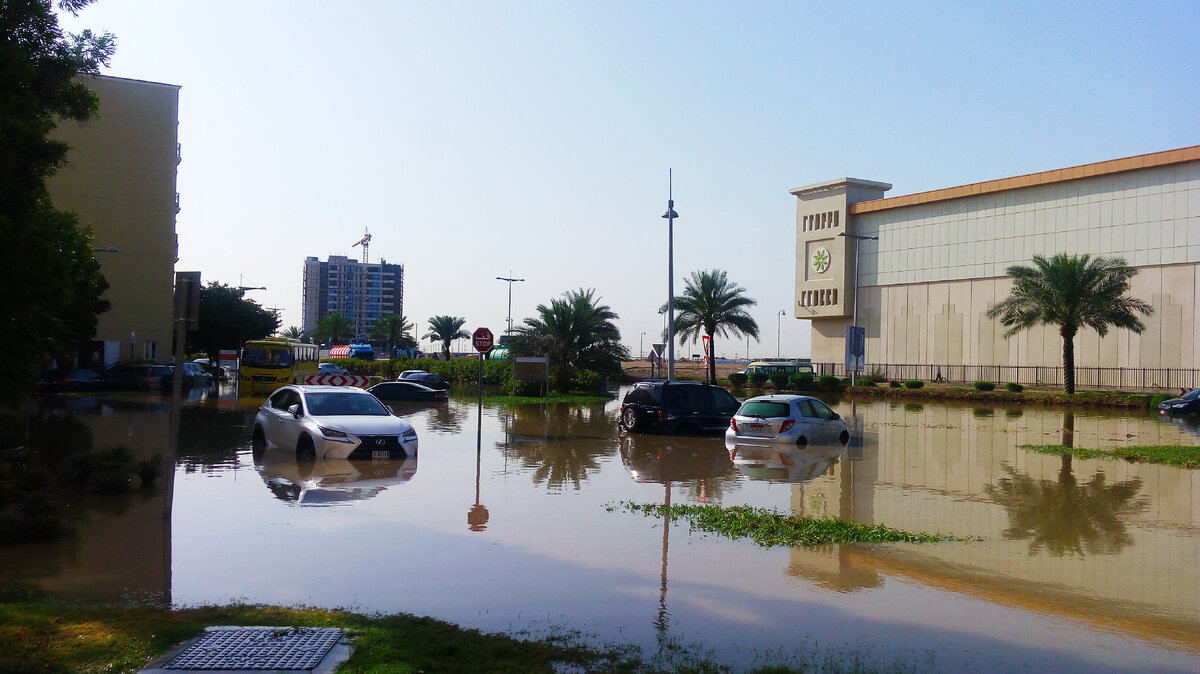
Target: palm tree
(446,329)
(713,305)
(294,332)
(333,328)
(1072,292)
(392,330)
(577,333)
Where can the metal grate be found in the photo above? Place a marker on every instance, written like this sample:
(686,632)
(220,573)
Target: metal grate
(257,648)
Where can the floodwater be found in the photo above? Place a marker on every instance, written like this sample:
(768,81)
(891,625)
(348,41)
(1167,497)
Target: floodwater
(510,520)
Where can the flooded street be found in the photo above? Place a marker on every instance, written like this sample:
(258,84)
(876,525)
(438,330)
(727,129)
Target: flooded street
(511,521)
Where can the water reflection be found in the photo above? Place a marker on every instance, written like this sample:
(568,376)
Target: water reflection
(561,443)
(784,463)
(325,482)
(443,418)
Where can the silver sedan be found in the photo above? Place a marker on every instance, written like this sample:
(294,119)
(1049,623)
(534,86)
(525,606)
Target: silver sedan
(331,422)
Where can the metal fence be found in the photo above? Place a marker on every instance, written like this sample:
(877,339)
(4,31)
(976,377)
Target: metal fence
(1146,378)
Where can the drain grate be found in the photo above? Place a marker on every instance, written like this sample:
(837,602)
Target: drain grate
(257,648)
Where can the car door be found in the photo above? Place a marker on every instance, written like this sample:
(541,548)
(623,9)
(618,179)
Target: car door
(819,418)
(281,428)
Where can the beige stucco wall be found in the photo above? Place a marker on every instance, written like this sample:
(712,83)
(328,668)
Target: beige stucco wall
(121,180)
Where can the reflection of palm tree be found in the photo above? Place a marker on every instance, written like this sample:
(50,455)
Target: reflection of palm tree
(1066,517)
(562,443)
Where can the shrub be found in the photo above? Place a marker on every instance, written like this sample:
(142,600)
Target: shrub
(738,379)
(894,384)
(1013,387)
(877,375)
(985,386)
(913,383)
(779,380)
(802,381)
(757,379)
(828,382)
(867,382)
(1158,398)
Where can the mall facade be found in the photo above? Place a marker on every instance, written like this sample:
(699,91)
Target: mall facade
(923,288)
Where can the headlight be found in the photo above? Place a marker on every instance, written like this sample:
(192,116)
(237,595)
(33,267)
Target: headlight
(334,434)
(409,435)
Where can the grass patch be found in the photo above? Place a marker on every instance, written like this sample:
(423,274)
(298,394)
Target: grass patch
(770,528)
(1167,455)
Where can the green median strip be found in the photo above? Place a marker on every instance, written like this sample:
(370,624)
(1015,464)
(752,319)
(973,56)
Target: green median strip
(770,528)
(1168,455)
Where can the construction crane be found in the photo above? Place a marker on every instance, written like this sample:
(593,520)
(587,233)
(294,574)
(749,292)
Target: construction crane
(365,242)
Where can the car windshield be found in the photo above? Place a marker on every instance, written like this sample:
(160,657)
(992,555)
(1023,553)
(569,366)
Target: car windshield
(257,356)
(1192,394)
(336,403)
(765,409)
(699,399)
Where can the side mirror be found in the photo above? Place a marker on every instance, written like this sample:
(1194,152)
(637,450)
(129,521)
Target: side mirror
(836,416)
(295,410)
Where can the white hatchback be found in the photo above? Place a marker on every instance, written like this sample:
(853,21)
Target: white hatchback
(791,419)
(331,422)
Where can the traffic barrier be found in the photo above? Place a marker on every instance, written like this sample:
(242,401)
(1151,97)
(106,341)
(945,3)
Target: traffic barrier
(338,380)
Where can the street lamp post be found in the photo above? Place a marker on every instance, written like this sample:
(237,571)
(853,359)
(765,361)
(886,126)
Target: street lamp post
(510,282)
(778,331)
(640,352)
(670,216)
(858,239)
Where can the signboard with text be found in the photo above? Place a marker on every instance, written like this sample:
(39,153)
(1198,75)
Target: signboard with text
(856,348)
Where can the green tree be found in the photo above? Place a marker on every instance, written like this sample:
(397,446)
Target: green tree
(577,333)
(52,282)
(446,329)
(297,333)
(228,319)
(333,328)
(1071,292)
(713,305)
(393,330)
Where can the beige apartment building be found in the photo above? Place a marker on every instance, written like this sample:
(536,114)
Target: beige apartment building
(120,179)
(939,264)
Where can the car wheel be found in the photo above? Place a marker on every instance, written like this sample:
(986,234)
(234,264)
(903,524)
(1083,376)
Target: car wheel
(844,437)
(631,418)
(258,441)
(304,449)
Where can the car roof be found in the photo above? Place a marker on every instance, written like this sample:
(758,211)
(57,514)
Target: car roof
(778,397)
(324,388)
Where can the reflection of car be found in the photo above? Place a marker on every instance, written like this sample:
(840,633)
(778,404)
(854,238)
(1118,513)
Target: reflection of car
(330,368)
(427,378)
(787,419)
(331,422)
(75,380)
(193,375)
(390,391)
(650,458)
(783,463)
(1188,403)
(140,375)
(327,482)
(677,407)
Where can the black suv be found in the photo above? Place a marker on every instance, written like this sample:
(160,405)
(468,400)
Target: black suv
(677,407)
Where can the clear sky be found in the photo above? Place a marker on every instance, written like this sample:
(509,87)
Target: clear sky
(475,138)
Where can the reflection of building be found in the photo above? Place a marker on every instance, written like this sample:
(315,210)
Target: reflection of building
(940,263)
(1125,558)
(362,292)
(120,179)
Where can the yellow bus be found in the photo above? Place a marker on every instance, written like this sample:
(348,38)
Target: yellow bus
(271,362)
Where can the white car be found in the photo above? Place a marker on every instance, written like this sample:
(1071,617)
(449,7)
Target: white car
(790,419)
(330,368)
(331,422)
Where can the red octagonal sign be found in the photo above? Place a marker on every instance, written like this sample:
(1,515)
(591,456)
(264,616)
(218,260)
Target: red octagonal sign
(482,339)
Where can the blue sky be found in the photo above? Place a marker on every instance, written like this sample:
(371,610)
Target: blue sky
(472,138)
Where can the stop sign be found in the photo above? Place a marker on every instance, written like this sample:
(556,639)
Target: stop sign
(482,339)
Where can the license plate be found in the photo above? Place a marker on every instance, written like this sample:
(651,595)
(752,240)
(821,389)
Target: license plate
(380,455)
(755,428)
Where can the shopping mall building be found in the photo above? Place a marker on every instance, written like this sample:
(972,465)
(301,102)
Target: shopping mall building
(925,285)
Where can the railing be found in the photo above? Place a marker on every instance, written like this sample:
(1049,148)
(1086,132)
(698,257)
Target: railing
(1146,378)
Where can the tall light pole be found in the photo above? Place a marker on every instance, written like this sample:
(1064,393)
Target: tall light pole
(640,352)
(778,331)
(858,239)
(510,282)
(670,216)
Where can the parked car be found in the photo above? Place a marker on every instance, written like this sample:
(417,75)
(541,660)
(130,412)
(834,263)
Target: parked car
(331,422)
(391,391)
(786,419)
(331,368)
(427,378)
(74,380)
(145,376)
(676,407)
(1188,403)
(193,375)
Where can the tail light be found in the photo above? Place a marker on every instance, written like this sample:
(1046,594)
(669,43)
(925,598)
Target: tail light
(733,424)
(662,416)
(787,426)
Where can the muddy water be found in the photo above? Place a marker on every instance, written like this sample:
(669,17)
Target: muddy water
(506,521)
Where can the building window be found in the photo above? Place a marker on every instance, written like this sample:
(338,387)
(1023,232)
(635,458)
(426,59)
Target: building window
(150,350)
(819,298)
(816,221)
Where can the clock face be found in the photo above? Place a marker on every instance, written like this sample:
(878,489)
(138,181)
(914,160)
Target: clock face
(820,260)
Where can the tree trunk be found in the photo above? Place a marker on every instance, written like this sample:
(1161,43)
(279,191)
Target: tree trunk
(712,362)
(1068,337)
